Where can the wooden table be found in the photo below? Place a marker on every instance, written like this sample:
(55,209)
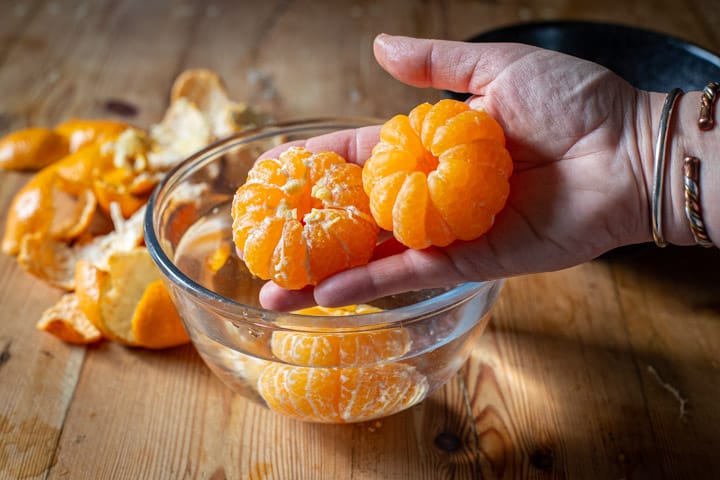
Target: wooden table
(607,370)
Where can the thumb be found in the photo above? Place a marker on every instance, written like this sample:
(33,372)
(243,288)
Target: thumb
(442,64)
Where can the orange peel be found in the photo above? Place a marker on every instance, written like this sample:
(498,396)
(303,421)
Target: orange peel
(54,261)
(55,203)
(206,90)
(129,303)
(68,322)
(32,148)
(81,132)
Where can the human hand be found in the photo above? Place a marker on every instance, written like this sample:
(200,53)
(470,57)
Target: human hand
(578,135)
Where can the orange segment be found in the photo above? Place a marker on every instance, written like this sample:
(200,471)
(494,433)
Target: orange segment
(66,321)
(448,188)
(340,349)
(466,127)
(217,259)
(437,116)
(417,116)
(302,217)
(31,149)
(339,377)
(411,205)
(341,395)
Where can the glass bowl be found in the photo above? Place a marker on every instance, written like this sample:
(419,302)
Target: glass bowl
(330,369)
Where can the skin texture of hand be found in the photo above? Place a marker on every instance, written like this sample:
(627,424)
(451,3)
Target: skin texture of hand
(578,136)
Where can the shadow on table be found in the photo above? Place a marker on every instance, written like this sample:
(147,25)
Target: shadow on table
(627,391)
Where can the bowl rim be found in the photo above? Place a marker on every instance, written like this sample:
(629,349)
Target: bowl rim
(452,297)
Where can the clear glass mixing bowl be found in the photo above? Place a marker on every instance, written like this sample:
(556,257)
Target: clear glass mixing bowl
(352,368)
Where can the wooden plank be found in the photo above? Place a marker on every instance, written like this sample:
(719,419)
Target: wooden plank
(671,304)
(554,385)
(37,377)
(583,372)
(61,79)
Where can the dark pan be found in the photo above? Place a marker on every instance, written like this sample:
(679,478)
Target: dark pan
(646,59)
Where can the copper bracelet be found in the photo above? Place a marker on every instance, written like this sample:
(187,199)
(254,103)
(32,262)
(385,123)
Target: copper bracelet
(693,211)
(706,120)
(660,153)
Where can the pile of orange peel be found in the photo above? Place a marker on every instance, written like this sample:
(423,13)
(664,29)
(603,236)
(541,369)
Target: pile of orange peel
(78,222)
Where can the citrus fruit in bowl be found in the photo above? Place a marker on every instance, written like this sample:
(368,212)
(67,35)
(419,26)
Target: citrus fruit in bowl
(328,365)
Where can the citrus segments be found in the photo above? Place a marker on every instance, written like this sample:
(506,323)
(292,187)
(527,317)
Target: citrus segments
(339,349)
(31,148)
(302,217)
(340,377)
(341,395)
(129,303)
(67,321)
(438,174)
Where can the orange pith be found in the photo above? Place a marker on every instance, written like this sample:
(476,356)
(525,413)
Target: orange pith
(340,377)
(438,174)
(302,217)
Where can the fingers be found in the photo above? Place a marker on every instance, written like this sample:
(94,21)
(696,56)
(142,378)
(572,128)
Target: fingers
(406,271)
(277,298)
(441,64)
(354,145)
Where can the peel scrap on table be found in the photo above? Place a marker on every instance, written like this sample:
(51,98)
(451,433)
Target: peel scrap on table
(84,207)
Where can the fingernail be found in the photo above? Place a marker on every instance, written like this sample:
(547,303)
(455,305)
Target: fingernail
(382,39)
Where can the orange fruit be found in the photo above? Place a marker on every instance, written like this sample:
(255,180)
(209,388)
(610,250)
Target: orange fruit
(66,321)
(438,174)
(339,349)
(302,217)
(341,395)
(31,148)
(79,133)
(339,377)
(129,303)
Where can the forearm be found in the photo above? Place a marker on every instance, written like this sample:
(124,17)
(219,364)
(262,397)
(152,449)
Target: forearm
(686,138)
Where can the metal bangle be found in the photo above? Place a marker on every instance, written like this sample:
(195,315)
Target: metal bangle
(706,120)
(659,168)
(693,210)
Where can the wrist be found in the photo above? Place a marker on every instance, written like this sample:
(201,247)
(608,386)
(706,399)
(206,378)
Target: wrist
(684,138)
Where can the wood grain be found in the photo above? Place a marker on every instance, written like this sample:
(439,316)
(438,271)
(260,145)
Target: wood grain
(606,370)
